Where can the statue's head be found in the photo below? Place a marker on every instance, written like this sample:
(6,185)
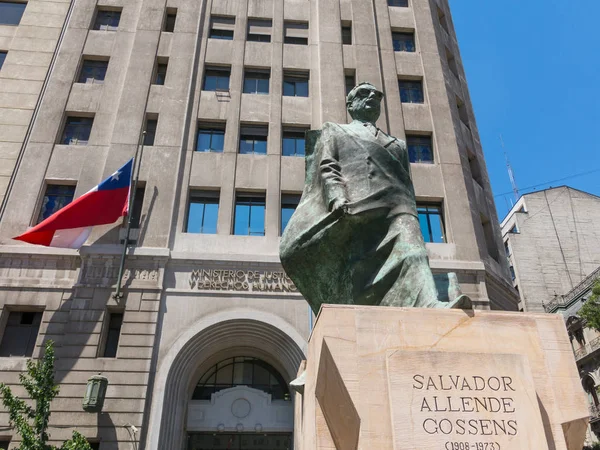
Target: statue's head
(364,102)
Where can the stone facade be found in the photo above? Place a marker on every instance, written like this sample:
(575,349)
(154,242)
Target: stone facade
(551,238)
(192,300)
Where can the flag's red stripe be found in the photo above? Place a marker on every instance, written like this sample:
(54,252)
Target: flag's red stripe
(39,237)
(92,208)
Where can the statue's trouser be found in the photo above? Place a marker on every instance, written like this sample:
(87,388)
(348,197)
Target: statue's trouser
(403,277)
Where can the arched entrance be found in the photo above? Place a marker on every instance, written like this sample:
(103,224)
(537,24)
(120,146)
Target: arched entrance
(240,403)
(227,334)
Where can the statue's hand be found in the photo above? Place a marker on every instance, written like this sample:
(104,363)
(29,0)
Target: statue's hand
(339,204)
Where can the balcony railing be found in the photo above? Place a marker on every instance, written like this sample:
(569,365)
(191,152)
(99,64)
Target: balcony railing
(587,349)
(581,352)
(594,413)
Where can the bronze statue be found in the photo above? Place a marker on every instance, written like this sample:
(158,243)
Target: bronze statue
(355,236)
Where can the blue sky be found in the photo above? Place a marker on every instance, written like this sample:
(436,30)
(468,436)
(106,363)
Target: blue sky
(533,68)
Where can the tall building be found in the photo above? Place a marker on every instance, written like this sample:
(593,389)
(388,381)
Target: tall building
(200,349)
(551,239)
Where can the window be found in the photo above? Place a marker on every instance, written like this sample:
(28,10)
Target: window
(295,33)
(56,197)
(222,27)
(170,19)
(431,220)
(111,343)
(92,71)
(402,3)
(514,229)
(350,80)
(451,63)
(475,168)
(242,371)
(289,203)
(11,12)
(2,58)
(442,19)
(136,211)
(256,81)
(295,84)
(420,149)
(293,142)
(93,445)
(411,91)
(77,130)
(150,130)
(20,333)
(347,33)
(490,239)
(203,211)
(462,112)
(513,275)
(249,215)
(107,19)
(507,249)
(211,138)
(216,78)
(253,139)
(160,73)
(403,42)
(259,30)
(4,443)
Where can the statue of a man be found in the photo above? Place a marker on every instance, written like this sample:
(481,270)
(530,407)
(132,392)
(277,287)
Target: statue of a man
(355,236)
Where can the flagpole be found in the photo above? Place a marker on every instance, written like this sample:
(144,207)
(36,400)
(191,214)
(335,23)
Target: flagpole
(137,164)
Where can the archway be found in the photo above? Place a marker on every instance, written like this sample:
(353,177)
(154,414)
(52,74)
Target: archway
(240,403)
(238,332)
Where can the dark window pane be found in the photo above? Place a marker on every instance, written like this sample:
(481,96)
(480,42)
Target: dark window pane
(203,211)
(161,73)
(170,22)
(2,58)
(432,223)
(293,143)
(295,85)
(216,79)
(295,33)
(77,130)
(253,140)
(151,125)
(20,333)
(256,82)
(11,12)
(420,149)
(350,82)
(259,37)
(346,35)
(4,443)
(221,34)
(403,42)
(115,322)
(210,140)
(92,71)
(259,30)
(411,91)
(56,197)
(403,3)
(244,371)
(107,20)
(249,216)
(289,203)
(138,202)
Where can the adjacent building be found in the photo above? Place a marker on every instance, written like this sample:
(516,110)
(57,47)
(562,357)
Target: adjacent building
(200,349)
(586,345)
(551,239)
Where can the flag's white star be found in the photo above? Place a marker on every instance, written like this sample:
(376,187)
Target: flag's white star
(115,176)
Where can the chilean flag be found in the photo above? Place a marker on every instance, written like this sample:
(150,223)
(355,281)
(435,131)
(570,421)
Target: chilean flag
(70,226)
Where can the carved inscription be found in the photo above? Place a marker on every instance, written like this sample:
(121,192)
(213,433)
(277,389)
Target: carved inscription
(241,280)
(448,398)
(463,401)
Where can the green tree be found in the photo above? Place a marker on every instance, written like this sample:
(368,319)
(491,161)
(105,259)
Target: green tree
(590,311)
(31,422)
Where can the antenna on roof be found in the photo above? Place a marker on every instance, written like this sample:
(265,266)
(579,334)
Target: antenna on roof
(511,174)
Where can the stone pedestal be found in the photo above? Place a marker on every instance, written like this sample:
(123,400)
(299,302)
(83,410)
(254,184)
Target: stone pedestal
(425,379)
